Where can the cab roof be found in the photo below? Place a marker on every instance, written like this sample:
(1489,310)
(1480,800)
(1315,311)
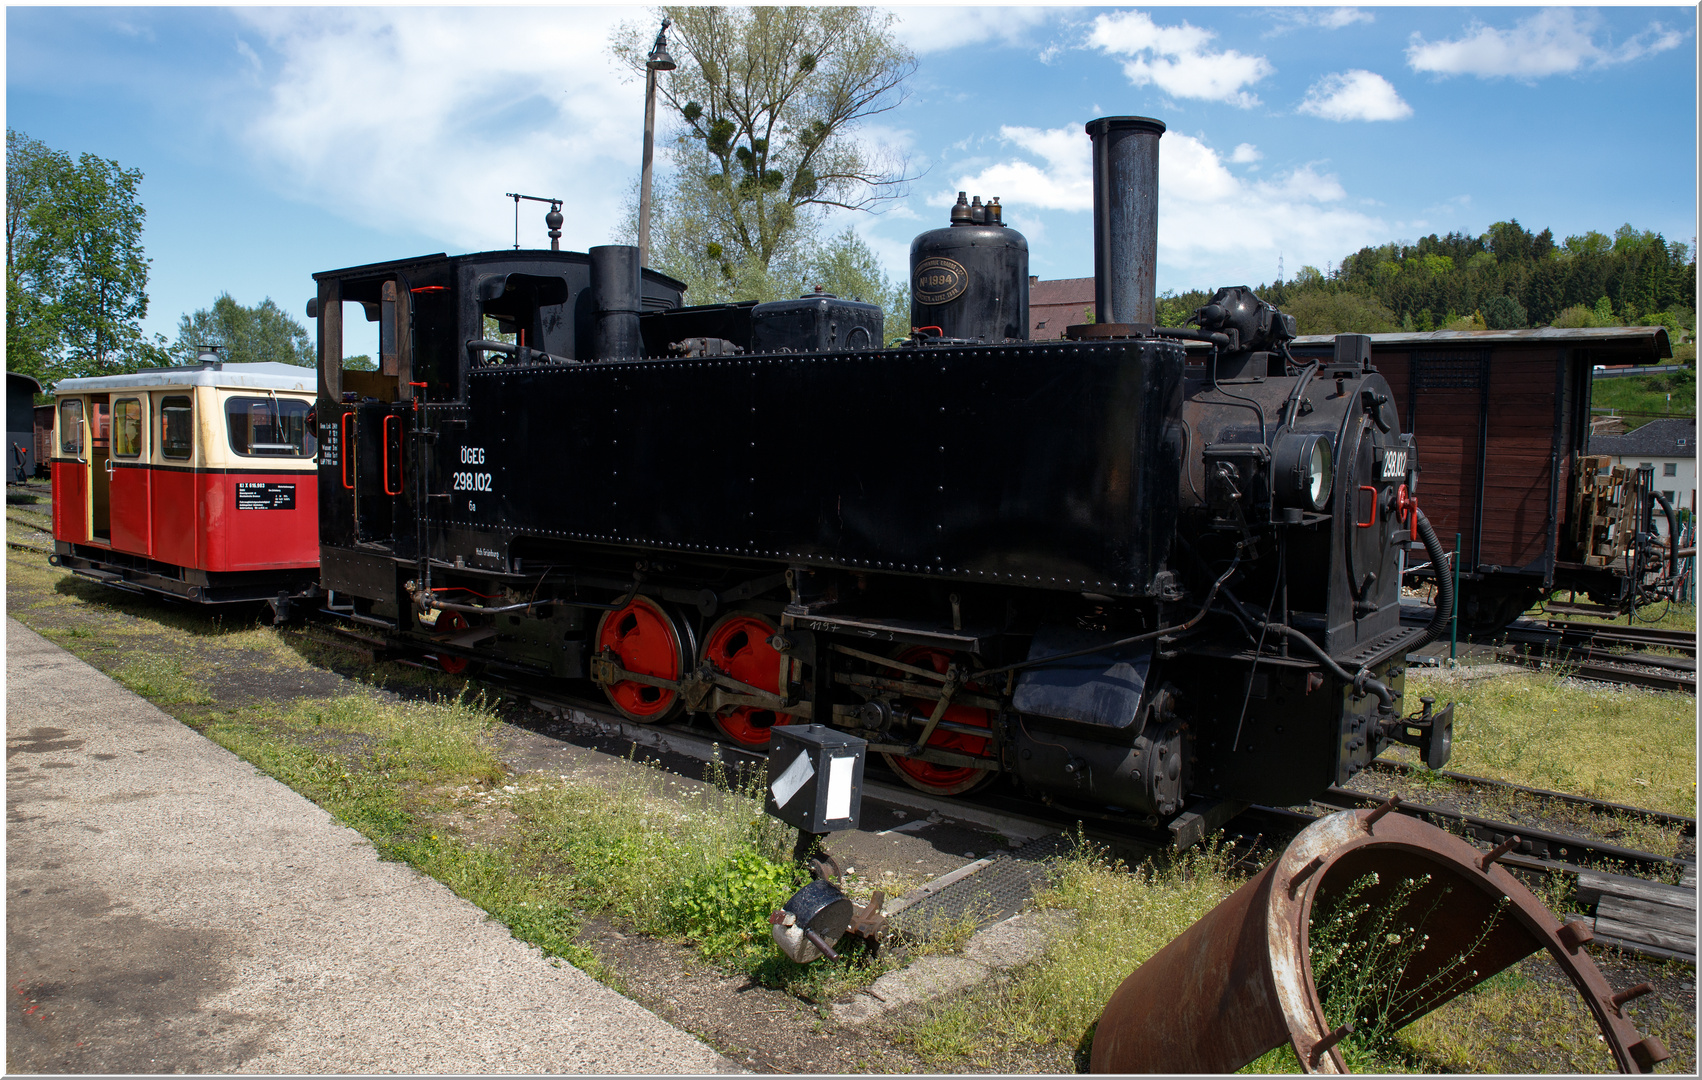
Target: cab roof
(261,376)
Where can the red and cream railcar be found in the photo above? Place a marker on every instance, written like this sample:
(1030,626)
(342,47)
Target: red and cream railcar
(195,482)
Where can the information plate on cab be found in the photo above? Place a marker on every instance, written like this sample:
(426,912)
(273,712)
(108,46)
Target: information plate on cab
(265,496)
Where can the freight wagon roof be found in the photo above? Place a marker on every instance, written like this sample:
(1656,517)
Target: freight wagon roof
(1651,340)
(262,376)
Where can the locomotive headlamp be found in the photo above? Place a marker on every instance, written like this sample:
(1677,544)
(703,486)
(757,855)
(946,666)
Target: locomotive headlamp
(1303,470)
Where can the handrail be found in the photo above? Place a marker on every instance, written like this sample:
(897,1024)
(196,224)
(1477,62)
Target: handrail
(384,434)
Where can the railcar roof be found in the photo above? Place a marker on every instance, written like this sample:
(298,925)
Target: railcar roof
(261,376)
(1630,337)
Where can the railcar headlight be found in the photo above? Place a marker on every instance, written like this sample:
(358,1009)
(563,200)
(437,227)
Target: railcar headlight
(1304,472)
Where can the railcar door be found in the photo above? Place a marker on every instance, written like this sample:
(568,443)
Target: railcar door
(71,473)
(127,466)
(100,469)
(175,513)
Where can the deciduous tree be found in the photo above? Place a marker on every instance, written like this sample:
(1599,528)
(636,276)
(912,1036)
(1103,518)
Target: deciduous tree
(766,103)
(75,267)
(262,333)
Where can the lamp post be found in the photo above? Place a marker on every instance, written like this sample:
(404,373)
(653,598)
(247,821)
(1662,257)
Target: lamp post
(659,60)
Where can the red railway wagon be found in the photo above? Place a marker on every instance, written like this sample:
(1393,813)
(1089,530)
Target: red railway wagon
(1501,418)
(195,482)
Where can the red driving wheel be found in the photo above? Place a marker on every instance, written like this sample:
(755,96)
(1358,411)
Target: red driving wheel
(738,646)
(646,641)
(926,775)
(452,622)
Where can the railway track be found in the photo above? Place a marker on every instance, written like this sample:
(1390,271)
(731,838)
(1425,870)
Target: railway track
(1602,665)
(1567,851)
(1599,652)
(1687,825)
(1639,636)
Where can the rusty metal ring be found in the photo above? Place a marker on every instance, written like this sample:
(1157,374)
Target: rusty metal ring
(1239,982)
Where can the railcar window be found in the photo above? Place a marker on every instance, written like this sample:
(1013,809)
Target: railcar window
(177,428)
(71,426)
(127,427)
(270,427)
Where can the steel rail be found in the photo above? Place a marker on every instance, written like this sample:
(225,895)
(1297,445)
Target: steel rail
(1560,650)
(1620,673)
(1577,851)
(1599,806)
(1684,640)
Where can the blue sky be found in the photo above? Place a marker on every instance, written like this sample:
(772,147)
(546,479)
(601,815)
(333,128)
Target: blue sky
(281,141)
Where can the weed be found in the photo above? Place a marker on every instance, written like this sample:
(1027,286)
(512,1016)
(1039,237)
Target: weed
(725,906)
(1362,944)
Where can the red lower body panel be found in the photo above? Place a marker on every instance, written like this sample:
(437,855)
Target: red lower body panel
(71,501)
(259,521)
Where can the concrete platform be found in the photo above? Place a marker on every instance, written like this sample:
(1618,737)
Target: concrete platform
(169,909)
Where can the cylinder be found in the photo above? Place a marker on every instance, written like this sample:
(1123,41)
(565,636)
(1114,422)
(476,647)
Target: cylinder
(1125,217)
(969,281)
(616,298)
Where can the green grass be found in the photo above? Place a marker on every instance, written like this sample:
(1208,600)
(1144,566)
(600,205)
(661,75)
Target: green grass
(1659,394)
(1621,744)
(161,680)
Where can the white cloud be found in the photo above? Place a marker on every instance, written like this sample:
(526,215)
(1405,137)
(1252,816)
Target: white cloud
(1336,18)
(1062,181)
(389,117)
(1211,221)
(1557,41)
(247,53)
(1177,59)
(1322,18)
(1245,154)
(1355,95)
(937,29)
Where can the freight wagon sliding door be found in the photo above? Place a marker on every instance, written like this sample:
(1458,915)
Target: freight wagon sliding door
(1486,442)
(1448,411)
(1522,422)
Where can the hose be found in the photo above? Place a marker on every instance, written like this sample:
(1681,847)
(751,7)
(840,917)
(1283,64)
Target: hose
(1361,681)
(1444,582)
(1672,534)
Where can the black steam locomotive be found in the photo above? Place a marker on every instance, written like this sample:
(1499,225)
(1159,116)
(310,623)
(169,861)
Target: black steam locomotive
(1139,567)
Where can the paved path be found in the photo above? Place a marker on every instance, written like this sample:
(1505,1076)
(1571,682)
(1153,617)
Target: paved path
(169,909)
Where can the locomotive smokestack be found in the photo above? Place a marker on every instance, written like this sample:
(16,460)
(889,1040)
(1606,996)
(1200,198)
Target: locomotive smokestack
(616,294)
(1125,217)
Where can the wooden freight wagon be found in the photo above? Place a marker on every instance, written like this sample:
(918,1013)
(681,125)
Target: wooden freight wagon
(1502,419)
(195,482)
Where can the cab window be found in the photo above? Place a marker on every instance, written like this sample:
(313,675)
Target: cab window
(127,427)
(71,426)
(177,428)
(270,427)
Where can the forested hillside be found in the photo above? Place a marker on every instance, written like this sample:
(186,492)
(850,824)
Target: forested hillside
(1508,278)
